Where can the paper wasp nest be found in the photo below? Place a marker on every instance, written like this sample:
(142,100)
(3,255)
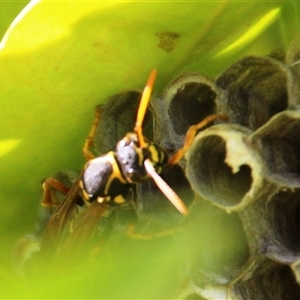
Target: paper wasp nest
(249,168)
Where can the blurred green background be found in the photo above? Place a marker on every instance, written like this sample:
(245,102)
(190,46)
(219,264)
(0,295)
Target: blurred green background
(63,58)
(8,11)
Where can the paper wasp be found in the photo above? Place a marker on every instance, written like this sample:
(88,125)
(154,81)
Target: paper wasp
(108,180)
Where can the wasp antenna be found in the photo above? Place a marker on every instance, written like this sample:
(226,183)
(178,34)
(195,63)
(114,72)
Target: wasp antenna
(143,107)
(165,188)
(90,139)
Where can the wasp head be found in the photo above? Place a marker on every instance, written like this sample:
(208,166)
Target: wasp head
(131,157)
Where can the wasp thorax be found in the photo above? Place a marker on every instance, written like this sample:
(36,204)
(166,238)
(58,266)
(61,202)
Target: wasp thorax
(131,157)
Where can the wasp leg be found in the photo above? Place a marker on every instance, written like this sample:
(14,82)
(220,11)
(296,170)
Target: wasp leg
(143,107)
(90,139)
(190,135)
(53,235)
(49,198)
(130,232)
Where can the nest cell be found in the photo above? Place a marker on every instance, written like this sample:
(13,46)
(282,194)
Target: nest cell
(254,89)
(221,167)
(267,280)
(187,100)
(278,144)
(190,104)
(284,215)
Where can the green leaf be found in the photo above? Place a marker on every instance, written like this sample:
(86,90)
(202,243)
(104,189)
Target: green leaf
(60,59)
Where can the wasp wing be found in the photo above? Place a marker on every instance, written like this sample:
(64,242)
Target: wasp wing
(54,231)
(78,242)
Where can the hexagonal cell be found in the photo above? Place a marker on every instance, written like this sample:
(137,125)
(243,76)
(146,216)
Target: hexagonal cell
(187,100)
(192,99)
(265,279)
(278,144)
(118,117)
(223,168)
(278,54)
(283,213)
(214,244)
(254,89)
(293,60)
(271,223)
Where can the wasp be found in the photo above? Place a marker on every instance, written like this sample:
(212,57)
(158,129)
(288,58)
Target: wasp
(108,180)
